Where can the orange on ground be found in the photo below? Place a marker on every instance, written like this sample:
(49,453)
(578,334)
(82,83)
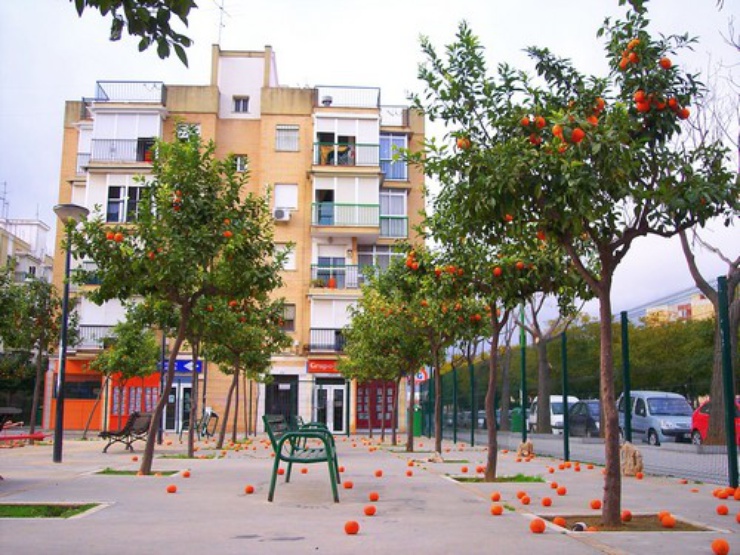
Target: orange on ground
(559,521)
(378,473)
(562,490)
(720,546)
(496,496)
(373,496)
(668,521)
(249,489)
(497,510)
(409,473)
(172,488)
(537,526)
(546,501)
(723,510)
(348,484)
(596,504)
(525,500)
(626,515)
(370,510)
(639,475)
(186,474)
(351,527)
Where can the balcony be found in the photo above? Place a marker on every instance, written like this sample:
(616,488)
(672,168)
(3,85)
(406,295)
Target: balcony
(326,340)
(346,154)
(83,161)
(345,215)
(394,116)
(394,227)
(122,150)
(145,92)
(89,268)
(349,97)
(336,277)
(93,336)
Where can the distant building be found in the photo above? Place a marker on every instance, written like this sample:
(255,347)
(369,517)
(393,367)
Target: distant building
(696,307)
(23,245)
(338,194)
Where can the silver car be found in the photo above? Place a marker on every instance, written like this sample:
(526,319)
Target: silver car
(657,416)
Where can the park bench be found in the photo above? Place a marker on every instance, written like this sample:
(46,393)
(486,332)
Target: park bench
(135,429)
(290,444)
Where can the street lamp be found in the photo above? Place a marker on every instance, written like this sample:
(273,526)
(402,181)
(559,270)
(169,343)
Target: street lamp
(68,214)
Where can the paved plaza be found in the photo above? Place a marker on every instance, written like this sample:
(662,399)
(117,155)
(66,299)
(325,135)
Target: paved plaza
(427,512)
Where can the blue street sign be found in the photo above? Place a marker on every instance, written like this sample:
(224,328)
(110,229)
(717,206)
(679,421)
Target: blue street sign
(184,366)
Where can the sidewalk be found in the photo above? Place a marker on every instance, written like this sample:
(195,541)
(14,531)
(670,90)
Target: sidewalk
(426,513)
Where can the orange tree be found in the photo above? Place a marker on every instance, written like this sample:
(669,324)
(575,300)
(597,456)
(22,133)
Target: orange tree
(383,342)
(589,160)
(436,301)
(499,275)
(197,235)
(241,335)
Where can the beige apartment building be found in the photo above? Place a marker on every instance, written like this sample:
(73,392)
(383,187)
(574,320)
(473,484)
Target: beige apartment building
(337,193)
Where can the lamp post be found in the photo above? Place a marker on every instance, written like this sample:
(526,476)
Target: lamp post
(68,214)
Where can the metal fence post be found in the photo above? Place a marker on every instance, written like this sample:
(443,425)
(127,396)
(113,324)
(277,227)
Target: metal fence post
(454,405)
(728,383)
(523,344)
(566,426)
(626,377)
(473,407)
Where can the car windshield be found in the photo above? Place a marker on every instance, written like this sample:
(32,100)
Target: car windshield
(593,409)
(557,406)
(669,406)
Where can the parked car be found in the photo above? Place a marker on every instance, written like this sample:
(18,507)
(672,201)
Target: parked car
(700,422)
(556,413)
(584,418)
(657,416)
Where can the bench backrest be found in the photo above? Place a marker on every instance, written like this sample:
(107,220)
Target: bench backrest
(275,426)
(127,427)
(141,423)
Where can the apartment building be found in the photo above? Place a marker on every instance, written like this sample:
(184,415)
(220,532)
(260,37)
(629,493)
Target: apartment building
(324,153)
(23,246)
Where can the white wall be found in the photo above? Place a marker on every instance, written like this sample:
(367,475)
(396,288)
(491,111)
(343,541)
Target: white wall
(240,77)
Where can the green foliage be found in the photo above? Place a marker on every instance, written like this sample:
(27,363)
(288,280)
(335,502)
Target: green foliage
(134,352)
(148,19)
(244,334)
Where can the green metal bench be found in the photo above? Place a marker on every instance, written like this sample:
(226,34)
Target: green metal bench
(290,445)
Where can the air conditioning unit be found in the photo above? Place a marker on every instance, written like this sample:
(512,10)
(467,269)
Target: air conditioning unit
(281,214)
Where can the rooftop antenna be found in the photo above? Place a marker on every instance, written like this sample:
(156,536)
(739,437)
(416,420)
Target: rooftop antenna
(221,14)
(4,202)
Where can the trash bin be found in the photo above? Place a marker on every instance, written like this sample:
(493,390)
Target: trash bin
(417,421)
(516,419)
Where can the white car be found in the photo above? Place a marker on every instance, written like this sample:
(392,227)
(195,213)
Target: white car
(556,413)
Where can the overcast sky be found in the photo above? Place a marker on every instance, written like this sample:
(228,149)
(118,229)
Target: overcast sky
(49,55)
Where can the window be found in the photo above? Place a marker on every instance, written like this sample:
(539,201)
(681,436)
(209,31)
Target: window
(288,318)
(289,259)
(241,161)
(286,138)
(32,271)
(393,220)
(286,195)
(123,203)
(184,130)
(241,104)
(389,145)
(376,255)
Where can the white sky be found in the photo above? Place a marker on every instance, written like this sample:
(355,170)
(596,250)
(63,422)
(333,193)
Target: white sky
(49,55)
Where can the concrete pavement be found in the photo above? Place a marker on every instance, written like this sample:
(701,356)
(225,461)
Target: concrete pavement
(427,512)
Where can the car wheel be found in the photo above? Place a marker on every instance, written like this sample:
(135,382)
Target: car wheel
(653,438)
(696,437)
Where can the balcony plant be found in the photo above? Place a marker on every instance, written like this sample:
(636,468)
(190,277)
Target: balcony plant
(318,283)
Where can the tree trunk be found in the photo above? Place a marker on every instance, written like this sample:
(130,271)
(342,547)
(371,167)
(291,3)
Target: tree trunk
(148,456)
(410,415)
(37,385)
(544,425)
(613,480)
(383,406)
(227,408)
(492,455)
(394,413)
(505,389)
(247,413)
(236,408)
(89,418)
(437,404)
(716,428)
(193,417)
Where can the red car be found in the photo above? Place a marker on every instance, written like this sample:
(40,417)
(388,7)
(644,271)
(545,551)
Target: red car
(700,422)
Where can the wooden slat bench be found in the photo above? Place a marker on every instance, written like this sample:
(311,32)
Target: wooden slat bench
(135,429)
(290,446)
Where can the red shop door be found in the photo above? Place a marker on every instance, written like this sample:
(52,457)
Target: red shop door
(370,404)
